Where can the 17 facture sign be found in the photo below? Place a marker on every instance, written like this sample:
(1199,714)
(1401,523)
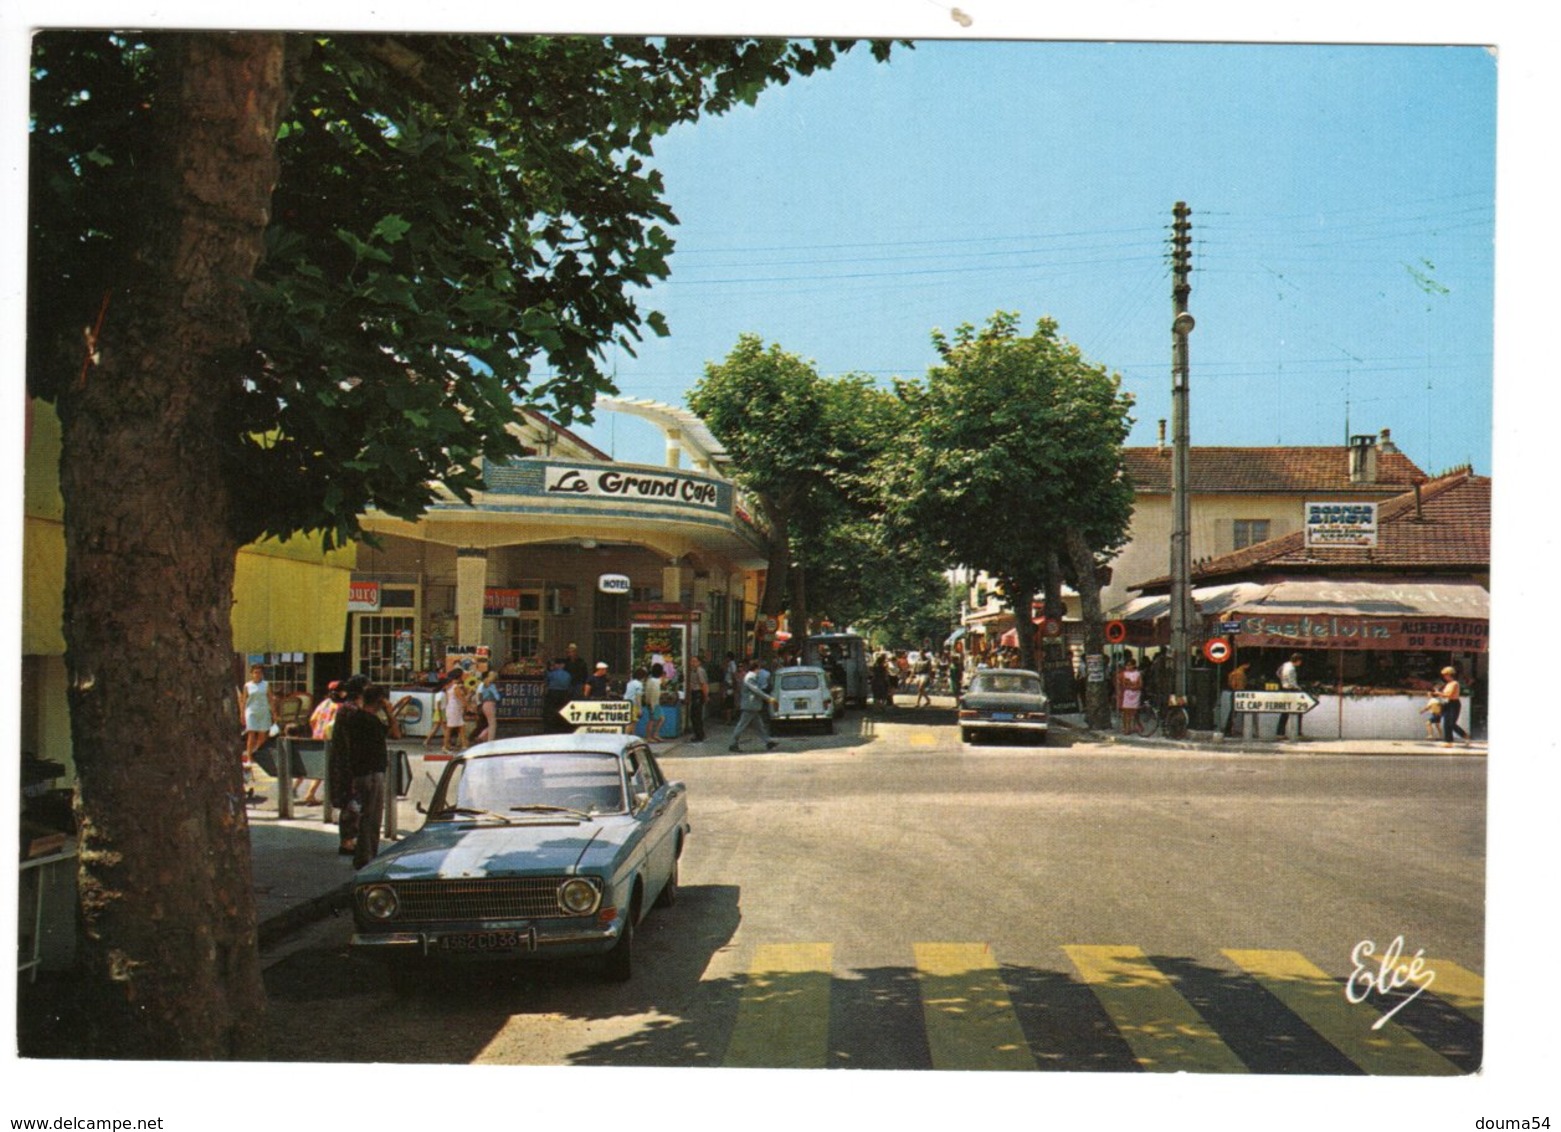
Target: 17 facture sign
(1341,524)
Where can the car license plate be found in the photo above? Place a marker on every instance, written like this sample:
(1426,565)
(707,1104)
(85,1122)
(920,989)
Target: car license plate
(1002,717)
(799,705)
(486,941)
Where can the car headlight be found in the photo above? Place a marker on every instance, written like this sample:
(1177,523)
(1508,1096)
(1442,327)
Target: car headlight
(578,896)
(380,901)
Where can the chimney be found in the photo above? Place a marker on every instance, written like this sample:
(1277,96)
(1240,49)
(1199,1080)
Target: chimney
(1162,436)
(1385,443)
(1363,459)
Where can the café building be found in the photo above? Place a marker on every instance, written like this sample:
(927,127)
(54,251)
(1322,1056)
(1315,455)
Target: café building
(565,546)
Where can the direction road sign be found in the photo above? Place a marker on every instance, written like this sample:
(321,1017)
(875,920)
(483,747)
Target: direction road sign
(1296,703)
(619,713)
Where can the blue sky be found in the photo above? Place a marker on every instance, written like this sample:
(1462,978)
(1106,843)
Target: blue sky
(1343,221)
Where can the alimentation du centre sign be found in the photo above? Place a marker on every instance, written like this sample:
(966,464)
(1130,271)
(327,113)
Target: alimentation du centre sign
(1341,524)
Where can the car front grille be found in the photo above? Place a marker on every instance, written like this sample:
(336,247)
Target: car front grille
(521,898)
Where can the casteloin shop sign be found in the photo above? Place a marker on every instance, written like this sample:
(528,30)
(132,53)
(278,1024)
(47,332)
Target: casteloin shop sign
(1455,634)
(638,486)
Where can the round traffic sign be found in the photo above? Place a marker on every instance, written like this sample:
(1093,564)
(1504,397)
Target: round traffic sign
(1217,650)
(1051,627)
(1116,632)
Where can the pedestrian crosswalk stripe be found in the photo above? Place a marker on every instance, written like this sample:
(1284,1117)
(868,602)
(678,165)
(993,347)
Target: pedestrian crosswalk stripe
(1164,1032)
(924,739)
(970,1020)
(1318,1000)
(1458,987)
(783,1013)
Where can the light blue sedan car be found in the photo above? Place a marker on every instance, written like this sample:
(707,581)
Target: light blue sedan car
(546,845)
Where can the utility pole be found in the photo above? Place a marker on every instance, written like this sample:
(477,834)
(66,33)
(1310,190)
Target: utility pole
(1182,613)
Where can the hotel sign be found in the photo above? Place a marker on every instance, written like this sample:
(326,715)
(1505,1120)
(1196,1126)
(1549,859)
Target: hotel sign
(637,485)
(1341,524)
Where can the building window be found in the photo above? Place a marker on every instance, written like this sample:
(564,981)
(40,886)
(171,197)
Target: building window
(385,643)
(1249,532)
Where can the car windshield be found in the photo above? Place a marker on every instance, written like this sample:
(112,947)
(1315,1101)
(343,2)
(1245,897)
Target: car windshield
(511,786)
(1007,683)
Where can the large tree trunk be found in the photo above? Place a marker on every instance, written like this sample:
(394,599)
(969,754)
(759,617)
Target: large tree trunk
(170,967)
(1097,694)
(1020,592)
(777,576)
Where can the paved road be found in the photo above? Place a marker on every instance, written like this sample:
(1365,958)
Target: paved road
(890,898)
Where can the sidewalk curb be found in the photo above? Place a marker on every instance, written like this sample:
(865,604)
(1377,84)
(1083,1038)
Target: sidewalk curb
(274,929)
(1210,742)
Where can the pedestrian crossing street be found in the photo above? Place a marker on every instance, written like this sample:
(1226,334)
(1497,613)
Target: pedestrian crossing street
(1108,1007)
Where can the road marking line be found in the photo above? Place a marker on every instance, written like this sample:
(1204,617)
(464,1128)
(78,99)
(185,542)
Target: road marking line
(1318,1000)
(969,1018)
(1162,1029)
(783,1014)
(923,739)
(1459,987)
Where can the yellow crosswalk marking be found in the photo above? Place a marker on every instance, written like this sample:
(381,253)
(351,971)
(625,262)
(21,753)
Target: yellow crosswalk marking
(1308,992)
(923,739)
(1458,987)
(970,1020)
(1164,1032)
(783,1014)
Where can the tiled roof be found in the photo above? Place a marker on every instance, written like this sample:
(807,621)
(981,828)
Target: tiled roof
(1448,528)
(1314,469)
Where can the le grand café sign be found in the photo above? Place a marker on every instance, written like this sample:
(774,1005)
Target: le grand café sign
(638,485)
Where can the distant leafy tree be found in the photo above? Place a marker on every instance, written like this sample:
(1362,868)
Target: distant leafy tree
(807,448)
(278,280)
(1014,460)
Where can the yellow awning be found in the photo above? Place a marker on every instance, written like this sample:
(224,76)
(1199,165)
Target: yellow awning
(291,597)
(288,595)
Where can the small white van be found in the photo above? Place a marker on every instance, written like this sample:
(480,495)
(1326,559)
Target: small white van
(803,695)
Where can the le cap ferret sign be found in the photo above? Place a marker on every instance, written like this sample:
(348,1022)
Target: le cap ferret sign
(1341,524)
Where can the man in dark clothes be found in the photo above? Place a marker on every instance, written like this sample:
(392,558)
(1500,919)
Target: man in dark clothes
(367,731)
(338,765)
(557,691)
(574,664)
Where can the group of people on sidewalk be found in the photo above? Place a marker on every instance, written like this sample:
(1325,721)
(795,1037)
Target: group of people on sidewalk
(1443,709)
(357,720)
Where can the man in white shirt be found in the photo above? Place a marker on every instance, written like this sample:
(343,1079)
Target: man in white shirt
(1290,681)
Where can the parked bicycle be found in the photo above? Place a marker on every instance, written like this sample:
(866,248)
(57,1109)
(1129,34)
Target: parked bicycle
(1154,715)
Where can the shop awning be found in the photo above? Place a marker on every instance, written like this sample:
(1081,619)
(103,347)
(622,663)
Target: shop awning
(955,636)
(1437,614)
(1210,600)
(1345,597)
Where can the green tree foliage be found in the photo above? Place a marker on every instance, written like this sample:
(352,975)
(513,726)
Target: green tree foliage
(1014,443)
(459,224)
(808,448)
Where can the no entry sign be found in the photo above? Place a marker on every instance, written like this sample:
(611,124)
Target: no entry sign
(1217,650)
